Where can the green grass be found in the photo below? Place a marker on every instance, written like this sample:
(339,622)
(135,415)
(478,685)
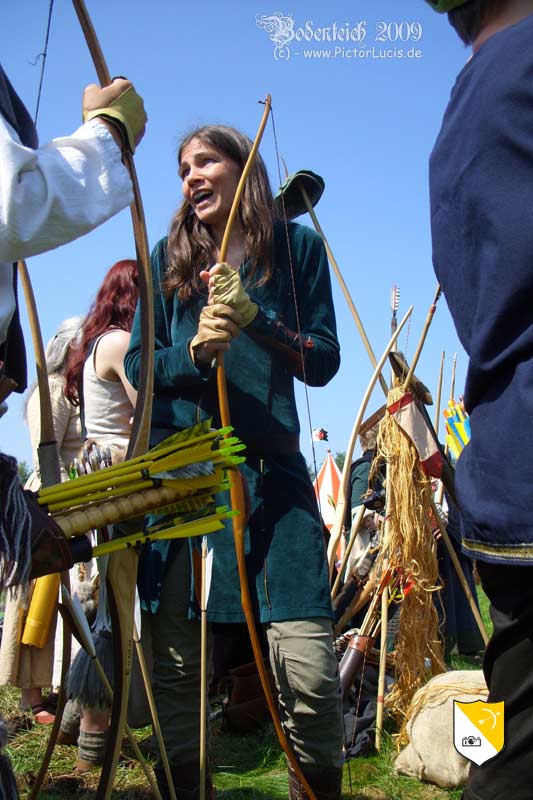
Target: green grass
(247,768)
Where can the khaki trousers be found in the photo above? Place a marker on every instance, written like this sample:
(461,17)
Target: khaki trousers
(303,663)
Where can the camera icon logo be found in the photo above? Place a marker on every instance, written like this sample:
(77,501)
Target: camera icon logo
(471,741)
(478,729)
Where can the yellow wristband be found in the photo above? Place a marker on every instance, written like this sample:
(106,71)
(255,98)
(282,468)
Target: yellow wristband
(128,111)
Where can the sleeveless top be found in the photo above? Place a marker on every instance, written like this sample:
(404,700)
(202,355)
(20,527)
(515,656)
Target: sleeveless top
(107,407)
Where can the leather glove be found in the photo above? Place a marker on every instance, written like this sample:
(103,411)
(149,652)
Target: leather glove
(218,325)
(50,550)
(226,287)
(120,105)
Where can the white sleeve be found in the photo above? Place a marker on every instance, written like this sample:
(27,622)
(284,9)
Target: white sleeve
(60,191)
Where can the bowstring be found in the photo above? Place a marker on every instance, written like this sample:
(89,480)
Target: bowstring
(299,330)
(43,56)
(297,310)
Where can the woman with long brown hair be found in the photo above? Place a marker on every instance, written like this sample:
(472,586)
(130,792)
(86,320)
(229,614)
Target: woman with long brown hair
(269,309)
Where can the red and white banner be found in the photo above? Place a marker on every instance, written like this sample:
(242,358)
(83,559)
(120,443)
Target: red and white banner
(326,485)
(410,419)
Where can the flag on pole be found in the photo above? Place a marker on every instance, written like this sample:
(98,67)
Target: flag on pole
(409,417)
(326,485)
(457,427)
(320,435)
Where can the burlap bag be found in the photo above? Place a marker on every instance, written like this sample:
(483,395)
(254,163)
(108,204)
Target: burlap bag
(430,754)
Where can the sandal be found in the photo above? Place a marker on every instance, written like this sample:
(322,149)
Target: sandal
(41,714)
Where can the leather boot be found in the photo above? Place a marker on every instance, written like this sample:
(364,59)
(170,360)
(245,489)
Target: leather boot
(326,783)
(186,779)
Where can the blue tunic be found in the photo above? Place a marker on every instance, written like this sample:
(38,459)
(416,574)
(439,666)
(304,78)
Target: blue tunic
(285,549)
(481,184)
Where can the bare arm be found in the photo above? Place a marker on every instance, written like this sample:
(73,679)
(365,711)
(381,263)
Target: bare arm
(109,361)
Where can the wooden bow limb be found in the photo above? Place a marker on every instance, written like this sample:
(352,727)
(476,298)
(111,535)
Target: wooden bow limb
(49,467)
(143,408)
(48,453)
(429,319)
(153,711)
(349,547)
(340,508)
(460,574)
(342,283)
(122,567)
(237,493)
(360,601)
(73,613)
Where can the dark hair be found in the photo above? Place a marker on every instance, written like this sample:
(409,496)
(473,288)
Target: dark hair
(468,19)
(113,307)
(190,243)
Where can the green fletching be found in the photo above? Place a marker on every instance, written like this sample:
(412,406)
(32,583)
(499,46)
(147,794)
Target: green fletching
(194,463)
(201,429)
(223,432)
(234,448)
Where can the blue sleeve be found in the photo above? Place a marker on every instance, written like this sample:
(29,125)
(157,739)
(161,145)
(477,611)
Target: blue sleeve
(316,335)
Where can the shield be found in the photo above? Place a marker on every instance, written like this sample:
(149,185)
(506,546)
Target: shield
(478,730)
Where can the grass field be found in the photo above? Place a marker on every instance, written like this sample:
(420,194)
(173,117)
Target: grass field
(247,768)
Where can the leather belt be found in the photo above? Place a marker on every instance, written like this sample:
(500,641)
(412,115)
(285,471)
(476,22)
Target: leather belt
(275,443)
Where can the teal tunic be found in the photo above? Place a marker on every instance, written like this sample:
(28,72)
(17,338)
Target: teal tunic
(284,543)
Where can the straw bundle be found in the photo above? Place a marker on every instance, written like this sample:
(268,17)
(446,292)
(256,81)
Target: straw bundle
(407,543)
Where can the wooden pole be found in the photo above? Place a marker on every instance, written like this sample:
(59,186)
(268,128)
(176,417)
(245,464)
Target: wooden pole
(76,619)
(353,535)
(439,396)
(454,370)
(383,641)
(342,283)
(153,711)
(427,324)
(461,575)
(203,670)
(382,666)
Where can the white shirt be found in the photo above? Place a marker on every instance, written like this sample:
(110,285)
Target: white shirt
(53,195)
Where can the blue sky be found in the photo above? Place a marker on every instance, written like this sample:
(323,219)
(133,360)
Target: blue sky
(364,120)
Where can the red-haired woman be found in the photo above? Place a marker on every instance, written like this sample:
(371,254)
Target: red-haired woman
(95,377)
(96,381)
